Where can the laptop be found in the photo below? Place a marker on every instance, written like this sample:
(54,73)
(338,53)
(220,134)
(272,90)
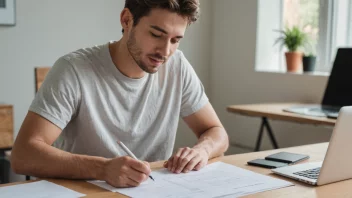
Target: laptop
(337,163)
(338,90)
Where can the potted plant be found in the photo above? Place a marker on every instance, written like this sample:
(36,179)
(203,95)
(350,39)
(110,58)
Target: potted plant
(309,58)
(309,62)
(292,38)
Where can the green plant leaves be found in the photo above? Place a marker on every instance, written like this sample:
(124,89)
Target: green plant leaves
(292,38)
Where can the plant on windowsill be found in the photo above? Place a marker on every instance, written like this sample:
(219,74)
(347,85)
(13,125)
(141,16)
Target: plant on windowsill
(309,58)
(309,62)
(292,38)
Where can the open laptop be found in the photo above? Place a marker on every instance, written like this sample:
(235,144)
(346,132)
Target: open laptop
(338,90)
(337,163)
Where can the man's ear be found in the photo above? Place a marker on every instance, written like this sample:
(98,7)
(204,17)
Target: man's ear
(126,19)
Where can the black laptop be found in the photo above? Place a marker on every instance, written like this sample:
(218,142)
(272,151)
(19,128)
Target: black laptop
(338,92)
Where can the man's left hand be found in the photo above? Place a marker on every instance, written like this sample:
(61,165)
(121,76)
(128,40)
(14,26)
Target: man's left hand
(187,159)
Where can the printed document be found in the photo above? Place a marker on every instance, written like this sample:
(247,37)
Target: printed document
(39,189)
(215,180)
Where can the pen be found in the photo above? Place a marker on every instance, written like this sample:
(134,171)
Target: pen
(130,154)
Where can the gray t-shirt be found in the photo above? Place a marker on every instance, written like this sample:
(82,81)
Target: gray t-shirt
(95,104)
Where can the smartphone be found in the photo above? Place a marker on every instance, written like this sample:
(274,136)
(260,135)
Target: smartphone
(285,157)
(266,163)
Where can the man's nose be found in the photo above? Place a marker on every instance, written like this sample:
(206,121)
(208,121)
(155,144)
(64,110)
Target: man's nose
(165,49)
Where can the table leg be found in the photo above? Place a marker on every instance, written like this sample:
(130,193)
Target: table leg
(259,138)
(271,134)
(265,123)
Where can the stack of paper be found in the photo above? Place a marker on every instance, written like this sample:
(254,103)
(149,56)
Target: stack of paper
(215,180)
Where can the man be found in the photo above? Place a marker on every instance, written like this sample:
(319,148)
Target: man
(134,91)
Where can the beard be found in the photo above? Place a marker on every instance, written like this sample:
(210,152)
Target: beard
(136,53)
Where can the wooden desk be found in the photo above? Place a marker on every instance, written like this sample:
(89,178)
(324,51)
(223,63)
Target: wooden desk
(316,152)
(275,111)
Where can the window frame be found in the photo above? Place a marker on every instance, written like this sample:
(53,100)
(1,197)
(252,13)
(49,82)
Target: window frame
(325,41)
(338,26)
(349,34)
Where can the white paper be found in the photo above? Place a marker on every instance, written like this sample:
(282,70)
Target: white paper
(39,189)
(215,180)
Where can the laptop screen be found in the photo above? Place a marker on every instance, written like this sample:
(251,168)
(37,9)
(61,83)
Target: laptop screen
(339,88)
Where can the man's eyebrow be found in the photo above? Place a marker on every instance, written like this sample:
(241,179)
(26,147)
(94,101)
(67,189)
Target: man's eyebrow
(159,29)
(162,30)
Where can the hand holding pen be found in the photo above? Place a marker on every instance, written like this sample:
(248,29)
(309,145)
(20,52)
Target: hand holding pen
(123,171)
(130,154)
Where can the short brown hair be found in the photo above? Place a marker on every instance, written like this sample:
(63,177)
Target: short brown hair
(185,8)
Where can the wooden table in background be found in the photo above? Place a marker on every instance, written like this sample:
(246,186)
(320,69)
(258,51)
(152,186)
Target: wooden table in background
(316,153)
(274,111)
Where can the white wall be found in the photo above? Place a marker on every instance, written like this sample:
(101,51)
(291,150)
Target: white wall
(46,30)
(234,80)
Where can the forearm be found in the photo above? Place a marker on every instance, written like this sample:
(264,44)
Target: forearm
(214,141)
(42,160)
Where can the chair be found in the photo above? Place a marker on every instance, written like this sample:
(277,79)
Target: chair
(39,76)
(6,140)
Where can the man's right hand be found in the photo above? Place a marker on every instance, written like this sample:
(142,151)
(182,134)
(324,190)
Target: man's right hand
(126,172)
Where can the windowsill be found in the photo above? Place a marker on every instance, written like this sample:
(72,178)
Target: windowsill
(314,73)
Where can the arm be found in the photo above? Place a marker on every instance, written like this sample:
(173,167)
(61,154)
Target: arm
(212,142)
(33,155)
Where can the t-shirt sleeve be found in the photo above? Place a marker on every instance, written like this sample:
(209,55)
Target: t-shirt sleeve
(58,98)
(193,94)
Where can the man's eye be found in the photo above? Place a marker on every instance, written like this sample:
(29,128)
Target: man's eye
(175,41)
(154,35)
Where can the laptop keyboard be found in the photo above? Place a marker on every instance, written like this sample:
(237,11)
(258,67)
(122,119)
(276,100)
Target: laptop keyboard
(311,173)
(325,110)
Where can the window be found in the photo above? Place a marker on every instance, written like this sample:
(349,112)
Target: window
(328,23)
(303,14)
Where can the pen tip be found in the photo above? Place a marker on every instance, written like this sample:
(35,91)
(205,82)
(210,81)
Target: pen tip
(151,178)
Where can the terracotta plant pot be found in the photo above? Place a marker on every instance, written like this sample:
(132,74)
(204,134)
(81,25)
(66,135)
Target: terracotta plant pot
(294,61)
